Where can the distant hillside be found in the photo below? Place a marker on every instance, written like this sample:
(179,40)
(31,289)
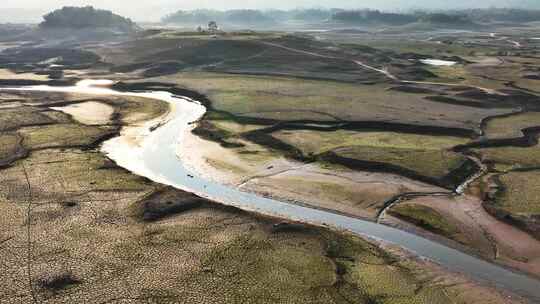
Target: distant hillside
(86,18)
(234,17)
(247,17)
(503,15)
(363,17)
(372,17)
(200,17)
(448,19)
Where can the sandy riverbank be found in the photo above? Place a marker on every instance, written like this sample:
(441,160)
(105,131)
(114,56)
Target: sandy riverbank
(89,112)
(355,193)
(358,194)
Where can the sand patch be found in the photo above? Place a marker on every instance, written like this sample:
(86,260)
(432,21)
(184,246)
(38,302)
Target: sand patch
(89,113)
(356,193)
(7,74)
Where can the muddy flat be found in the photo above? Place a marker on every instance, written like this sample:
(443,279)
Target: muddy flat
(89,113)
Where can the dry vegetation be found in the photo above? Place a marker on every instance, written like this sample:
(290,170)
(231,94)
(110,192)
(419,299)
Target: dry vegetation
(506,158)
(273,98)
(511,126)
(10,148)
(518,200)
(76,228)
(428,219)
(63,135)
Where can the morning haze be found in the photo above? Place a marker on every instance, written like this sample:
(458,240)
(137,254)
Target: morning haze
(31,10)
(270,152)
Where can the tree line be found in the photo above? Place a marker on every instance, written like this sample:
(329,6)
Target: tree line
(361,16)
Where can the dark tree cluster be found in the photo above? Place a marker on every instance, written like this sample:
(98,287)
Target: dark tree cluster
(86,18)
(372,17)
(503,15)
(443,18)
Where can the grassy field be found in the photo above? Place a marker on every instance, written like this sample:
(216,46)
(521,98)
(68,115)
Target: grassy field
(430,48)
(518,202)
(465,75)
(15,118)
(10,144)
(521,193)
(317,142)
(435,164)
(511,126)
(507,72)
(273,98)
(62,135)
(512,157)
(398,149)
(88,224)
(168,53)
(428,219)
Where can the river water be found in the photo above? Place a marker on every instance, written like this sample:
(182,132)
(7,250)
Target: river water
(156,158)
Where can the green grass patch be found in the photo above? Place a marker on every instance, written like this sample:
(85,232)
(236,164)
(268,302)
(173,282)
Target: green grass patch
(9,144)
(19,117)
(71,171)
(435,164)
(428,48)
(285,99)
(62,135)
(511,126)
(428,219)
(317,142)
(513,157)
(426,155)
(521,193)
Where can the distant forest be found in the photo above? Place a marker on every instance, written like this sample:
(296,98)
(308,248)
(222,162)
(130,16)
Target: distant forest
(359,17)
(86,18)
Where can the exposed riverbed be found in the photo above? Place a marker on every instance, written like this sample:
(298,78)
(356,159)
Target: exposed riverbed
(154,154)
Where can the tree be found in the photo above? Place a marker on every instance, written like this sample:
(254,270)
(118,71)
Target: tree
(86,18)
(213,27)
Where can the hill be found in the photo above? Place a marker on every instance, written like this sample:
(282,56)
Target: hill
(86,18)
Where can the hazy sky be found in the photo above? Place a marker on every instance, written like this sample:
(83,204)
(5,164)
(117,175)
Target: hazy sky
(153,9)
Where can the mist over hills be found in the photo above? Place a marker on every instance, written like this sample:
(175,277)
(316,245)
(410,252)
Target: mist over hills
(32,10)
(88,17)
(361,17)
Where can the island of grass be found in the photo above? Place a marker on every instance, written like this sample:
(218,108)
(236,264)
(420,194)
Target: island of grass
(511,126)
(510,157)
(518,201)
(428,219)
(422,157)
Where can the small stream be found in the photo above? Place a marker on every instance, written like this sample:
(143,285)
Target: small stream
(157,159)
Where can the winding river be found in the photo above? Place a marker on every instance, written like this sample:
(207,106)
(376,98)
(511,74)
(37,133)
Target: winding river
(156,157)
